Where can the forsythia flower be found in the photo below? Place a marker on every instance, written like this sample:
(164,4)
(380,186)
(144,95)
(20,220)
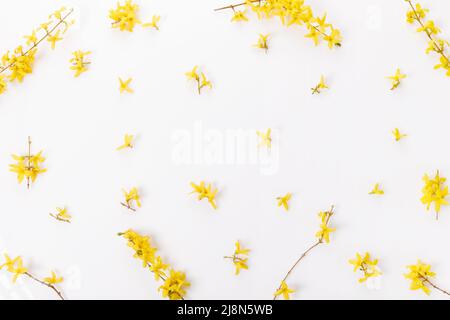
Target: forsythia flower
(239,258)
(201,79)
(284,290)
(239,16)
(153,23)
(291,12)
(29,166)
(366,265)
(53,279)
(266,138)
(396,79)
(283,201)
(324,233)
(130,197)
(321,85)
(420,275)
(205,192)
(435,44)
(125,16)
(127,142)
(125,85)
(175,283)
(62,215)
(14,266)
(398,135)
(262,42)
(435,192)
(79,65)
(376,190)
(20,63)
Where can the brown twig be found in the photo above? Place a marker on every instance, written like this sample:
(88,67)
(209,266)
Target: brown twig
(426,280)
(46,284)
(128,206)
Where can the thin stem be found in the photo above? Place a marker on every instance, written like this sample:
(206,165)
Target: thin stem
(232,6)
(428,33)
(46,284)
(58,218)
(29,161)
(128,206)
(48,33)
(426,280)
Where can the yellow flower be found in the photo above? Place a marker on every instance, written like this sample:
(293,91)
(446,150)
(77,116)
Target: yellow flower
(397,135)
(193,75)
(125,16)
(239,258)
(240,263)
(28,167)
(174,286)
(20,63)
(125,85)
(53,279)
(19,269)
(205,192)
(419,275)
(320,86)
(153,23)
(366,265)
(437,45)
(284,290)
(262,42)
(334,38)
(58,13)
(62,215)
(376,190)
(239,16)
(10,263)
(205,82)
(158,267)
(32,38)
(420,12)
(435,191)
(314,34)
(283,201)
(78,62)
(429,28)
(396,79)
(54,38)
(201,79)
(321,22)
(265,138)
(130,197)
(142,247)
(324,233)
(238,250)
(444,63)
(127,142)
(3,84)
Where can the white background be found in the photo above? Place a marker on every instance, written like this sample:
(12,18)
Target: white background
(332,148)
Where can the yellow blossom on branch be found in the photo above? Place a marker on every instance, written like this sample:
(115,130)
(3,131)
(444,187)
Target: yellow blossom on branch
(174,283)
(320,86)
(127,142)
(284,201)
(16,267)
(396,79)
(376,190)
(418,15)
(62,215)
(323,235)
(19,63)
(205,192)
(262,42)
(435,191)
(290,12)
(239,258)
(367,266)
(131,198)
(200,79)
(420,275)
(284,291)
(79,63)
(125,16)
(28,166)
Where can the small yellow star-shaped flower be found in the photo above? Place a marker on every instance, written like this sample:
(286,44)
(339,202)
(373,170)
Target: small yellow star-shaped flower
(125,85)
(398,135)
(376,190)
(284,201)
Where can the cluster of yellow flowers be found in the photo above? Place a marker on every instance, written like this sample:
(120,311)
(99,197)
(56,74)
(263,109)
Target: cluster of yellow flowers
(435,191)
(78,62)
(16,65)
(125,17)
(62,215)
(205,192)
(16,267)
(175,284)
(324,232)
(367,266)
(291,12)
(131,198)
(28,166)
(239,257)
(420,275)
(418,14)
(200,79)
